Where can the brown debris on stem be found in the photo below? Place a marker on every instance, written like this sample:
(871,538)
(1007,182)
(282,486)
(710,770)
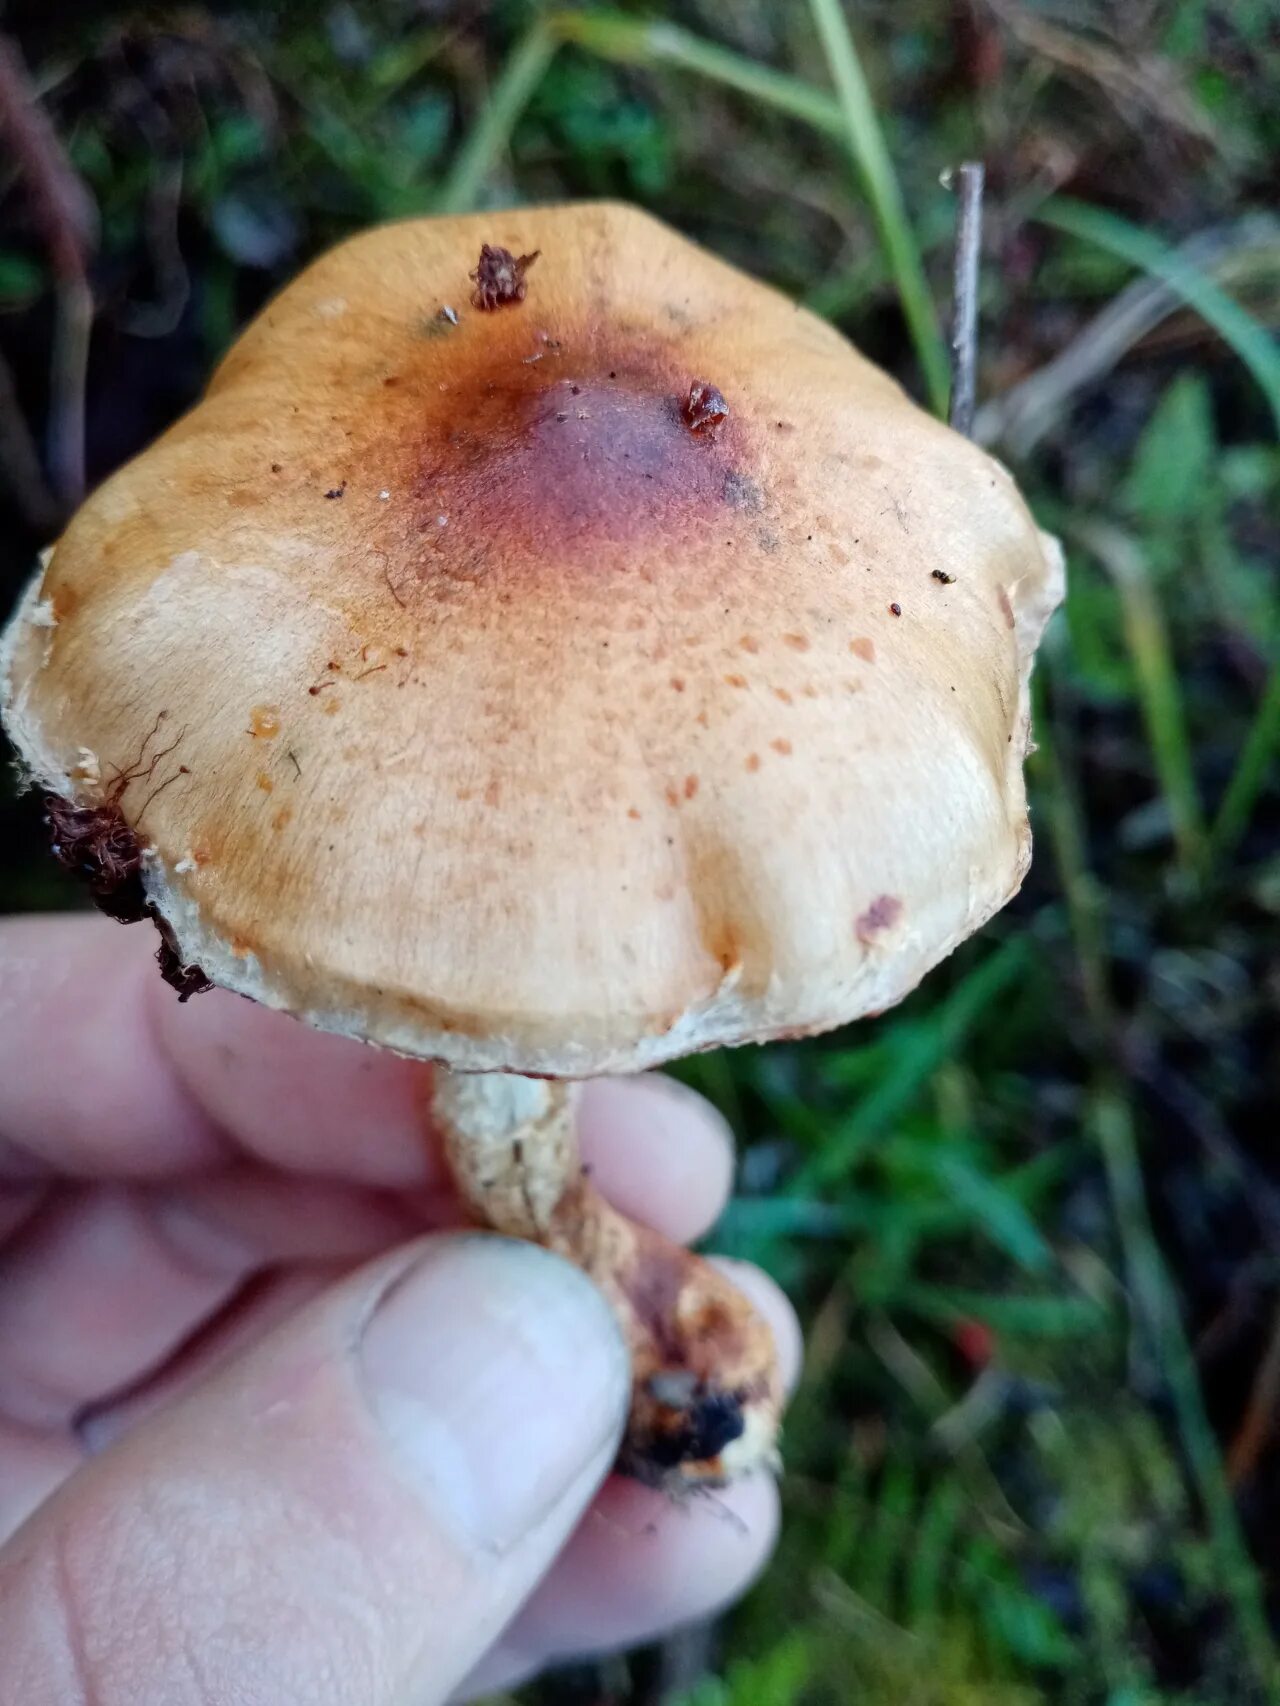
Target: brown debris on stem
(706,1391)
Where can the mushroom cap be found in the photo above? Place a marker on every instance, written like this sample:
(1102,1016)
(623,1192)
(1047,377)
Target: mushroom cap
(468,700)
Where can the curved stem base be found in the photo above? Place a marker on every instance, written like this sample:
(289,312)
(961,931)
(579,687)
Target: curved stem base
(707,1395)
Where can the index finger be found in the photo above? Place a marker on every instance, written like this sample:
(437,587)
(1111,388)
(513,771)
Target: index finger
(85,1088)
(104,1074)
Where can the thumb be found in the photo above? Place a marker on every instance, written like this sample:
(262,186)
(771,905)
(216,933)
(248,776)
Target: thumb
(349,1513)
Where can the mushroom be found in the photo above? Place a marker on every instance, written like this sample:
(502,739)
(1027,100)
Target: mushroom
(544,693)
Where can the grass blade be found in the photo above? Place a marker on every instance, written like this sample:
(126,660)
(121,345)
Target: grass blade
(926,1047)
(1255,346)
(851,118)
(1050,1315)
(871,158)
(1256,758)
(633,41)
(1153,1300)
(525,68)
(1059,797)
(624,41)
(937,1527)
(996,1211)
(1158,690)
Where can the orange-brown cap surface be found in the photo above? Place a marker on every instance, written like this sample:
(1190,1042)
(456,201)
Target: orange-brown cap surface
(517,709)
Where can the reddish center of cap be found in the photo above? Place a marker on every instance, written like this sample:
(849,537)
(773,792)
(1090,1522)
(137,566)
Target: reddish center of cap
(549,461)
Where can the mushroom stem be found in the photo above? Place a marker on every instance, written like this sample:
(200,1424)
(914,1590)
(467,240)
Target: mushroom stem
(706,1394)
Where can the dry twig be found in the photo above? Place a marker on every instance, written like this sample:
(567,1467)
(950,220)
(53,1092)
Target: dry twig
(65,216)
(1232,255)
(964,313)
(1143,87)
(20,462)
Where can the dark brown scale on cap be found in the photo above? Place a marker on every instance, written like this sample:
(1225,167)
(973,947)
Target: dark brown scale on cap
(705,408)
(500,277)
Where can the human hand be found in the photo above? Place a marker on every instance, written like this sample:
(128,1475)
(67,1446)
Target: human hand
(261,1440)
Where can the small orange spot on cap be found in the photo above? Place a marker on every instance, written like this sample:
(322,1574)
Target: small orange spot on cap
(863,648)
(264,722)
(781,693)
(492,794)
(633,813)
(749,643)
(282,817)
(264,782)
(331,706)
(673,794)
(690,787)
(797,642)
(677,681)
(753,761)
(781,746)
(735,681)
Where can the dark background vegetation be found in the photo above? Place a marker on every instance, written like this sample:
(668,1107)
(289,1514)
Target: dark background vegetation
(1031,1218)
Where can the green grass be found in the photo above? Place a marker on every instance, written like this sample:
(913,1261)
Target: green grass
(1253,342)
(1024,1216)
(865,140)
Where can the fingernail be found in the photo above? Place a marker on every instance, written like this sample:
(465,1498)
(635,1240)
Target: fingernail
(499,1375)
